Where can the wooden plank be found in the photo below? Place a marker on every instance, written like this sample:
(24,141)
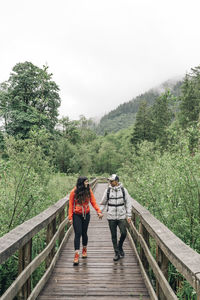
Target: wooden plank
(98,276)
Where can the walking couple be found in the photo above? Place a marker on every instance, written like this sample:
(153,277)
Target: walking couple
(118,202)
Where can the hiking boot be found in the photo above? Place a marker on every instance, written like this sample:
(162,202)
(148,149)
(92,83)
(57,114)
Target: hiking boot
(84,252)
(76,259)
(116,257)
(121,252)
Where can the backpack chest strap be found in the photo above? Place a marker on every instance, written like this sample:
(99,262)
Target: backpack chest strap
(109,204)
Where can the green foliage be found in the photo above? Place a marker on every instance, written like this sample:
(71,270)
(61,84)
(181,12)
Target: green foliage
(65,153)
(152,123)
(108,158)
(24,176)
(161,116)
(169,186)
(190,98)
(69,130)
(29,98)
(143,125)
(125,114)
(9,272)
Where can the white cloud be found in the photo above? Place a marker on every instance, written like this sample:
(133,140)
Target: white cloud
(102,53)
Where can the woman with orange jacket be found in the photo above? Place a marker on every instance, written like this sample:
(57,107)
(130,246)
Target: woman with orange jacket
(79,214)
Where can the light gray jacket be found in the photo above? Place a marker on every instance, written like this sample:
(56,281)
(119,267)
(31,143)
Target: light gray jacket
(115,211)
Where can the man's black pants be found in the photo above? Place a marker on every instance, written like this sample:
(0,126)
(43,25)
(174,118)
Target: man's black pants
(113,229)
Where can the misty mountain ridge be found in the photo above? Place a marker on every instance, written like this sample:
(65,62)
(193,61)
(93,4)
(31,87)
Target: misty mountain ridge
(124,115)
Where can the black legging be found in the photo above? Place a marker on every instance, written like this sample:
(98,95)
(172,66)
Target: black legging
(80,229)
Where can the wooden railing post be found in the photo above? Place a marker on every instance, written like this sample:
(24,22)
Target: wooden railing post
(145,235)
(134,218)
(51,229)
(198,288)
(25,257)
(61,219)
(198,296)
(163,262)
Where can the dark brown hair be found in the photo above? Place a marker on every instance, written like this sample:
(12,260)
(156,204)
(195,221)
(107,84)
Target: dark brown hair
(82,192)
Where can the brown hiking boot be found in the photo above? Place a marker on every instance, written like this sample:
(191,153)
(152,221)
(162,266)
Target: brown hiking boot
(84,252)
(76,259)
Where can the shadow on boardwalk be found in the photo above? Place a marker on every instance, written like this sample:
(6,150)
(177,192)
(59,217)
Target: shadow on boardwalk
(98,276)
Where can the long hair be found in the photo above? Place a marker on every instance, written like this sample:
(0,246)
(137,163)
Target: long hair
(82,192)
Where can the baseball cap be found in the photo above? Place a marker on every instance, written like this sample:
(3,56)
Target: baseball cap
(113,177)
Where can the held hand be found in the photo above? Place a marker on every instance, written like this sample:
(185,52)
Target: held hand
(100,215)
(129,220)
(70,222)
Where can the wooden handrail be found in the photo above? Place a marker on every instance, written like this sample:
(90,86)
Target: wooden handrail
(20,235)
(20,239)
(169,248)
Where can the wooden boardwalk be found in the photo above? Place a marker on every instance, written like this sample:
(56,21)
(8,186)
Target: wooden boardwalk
(98,276)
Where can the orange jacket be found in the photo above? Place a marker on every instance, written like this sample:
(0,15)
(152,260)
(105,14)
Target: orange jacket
(75,207)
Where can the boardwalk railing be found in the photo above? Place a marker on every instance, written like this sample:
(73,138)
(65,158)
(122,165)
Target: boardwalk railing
(20,239)
(169,248)
(145,231)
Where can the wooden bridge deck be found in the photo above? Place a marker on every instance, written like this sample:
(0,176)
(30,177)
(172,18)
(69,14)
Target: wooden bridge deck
(98,276)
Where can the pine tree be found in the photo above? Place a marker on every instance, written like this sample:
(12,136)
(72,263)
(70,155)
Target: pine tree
(190,99)
(143,125)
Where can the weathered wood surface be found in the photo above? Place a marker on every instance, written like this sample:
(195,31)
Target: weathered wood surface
(96,277)
(184,258)
(19,236)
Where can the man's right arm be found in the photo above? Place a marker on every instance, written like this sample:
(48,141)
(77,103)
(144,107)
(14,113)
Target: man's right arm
(103,200)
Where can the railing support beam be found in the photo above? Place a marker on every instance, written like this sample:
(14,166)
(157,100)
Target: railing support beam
(51,230)
(145,235)
(163,263)
(61,219)
(24,258)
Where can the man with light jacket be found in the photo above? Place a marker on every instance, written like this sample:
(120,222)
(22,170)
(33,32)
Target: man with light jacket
(118,202)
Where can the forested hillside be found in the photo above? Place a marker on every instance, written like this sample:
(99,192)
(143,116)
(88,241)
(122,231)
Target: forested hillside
(124,115)
(157,158)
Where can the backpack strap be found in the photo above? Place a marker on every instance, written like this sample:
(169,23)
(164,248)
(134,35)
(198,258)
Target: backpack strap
(108,193)
(123,192)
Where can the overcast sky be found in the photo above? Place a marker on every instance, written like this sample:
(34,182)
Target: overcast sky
(101,52)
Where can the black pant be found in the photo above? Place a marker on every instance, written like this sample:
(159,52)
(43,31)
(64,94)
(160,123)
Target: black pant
(113,229)
(80,229)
